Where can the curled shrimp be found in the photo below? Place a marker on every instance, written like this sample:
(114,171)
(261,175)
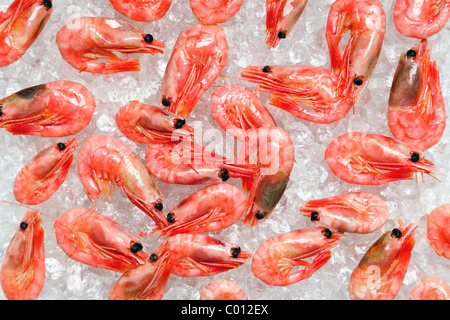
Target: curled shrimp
(366,21)
(103,160)
(94,239)
(145,123)
(23,270)
(45,173)
(380,273)
(198,58)
(438,230)
(54,109)
(211,208)
(416,112)
(237,109)
(198,255)
(281,17)
(372,159)
(276,258)
(84,40)
(215,11)
(357,212)
(430,288)
(142,10)
(421,19)
(20,25)
(221,289)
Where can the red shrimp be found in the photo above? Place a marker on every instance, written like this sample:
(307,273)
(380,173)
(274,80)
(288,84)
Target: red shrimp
(430,288)
(438,230)
(142,10)
(210,12)
(221,289)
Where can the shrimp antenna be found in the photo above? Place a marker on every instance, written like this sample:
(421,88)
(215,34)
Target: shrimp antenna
(30,208)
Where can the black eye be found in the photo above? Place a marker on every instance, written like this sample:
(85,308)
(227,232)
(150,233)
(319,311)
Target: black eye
(235,252)
(1,112)
(136,247)
(159,206)
(170,217)
(358,81)
(224,174)
(61,146)
(23,225)
(165,102)
(153,257)
(396,233)
(148,38)
(180,123)
(314,216)
(260,215)
(47,4)
(415,157)
(266,69)
(327,233)
(411,53)
(281,35)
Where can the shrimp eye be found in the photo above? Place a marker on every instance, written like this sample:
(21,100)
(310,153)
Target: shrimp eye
(260,215)
(153,257)
(396,233)
(327,233)
(415,157)
(282,35)
(224,174)
(357,81)
(61,146)
(314,216)
(266,69)
(1,112)
(47,4)
(148,38)
(170,217)
(159,206)
(411,53)
(23,225)
(180,123)
(235,252)
(136,247)
(165,102)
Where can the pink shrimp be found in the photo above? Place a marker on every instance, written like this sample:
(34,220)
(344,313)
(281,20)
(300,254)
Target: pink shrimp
(421,19)
(211,208)
(54,109)
(380,273)
(438,230)
(103,159)
(145,123)
(198,58)
(221,289)
(237,109)
(281,17)
(142,10)
(358,212)
(84,40)
(23,269)
(372,159)
(366,21)
(430,288)
(94,239)
(45,173)
(276,258)
(416,111)
(210,12)
(20,25)
(198,255)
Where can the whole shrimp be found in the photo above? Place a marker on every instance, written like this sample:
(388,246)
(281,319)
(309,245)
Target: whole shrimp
(221,289)
(438,231)
(145,123)
(366,21)
(421,19)
(23,270)
(84,40)
(357,212)
(20,25)
(198,255)
(380,273)
(237,109)
(45,173)
(276,258)
(142,10)
(103,160)
(281,17)
(430,288)
(94,239)
(198,58)
(372,159)
(210,12)
(211,208)
(54,109)
(416,111)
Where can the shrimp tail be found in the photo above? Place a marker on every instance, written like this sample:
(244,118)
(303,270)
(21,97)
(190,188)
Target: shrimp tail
(125,65)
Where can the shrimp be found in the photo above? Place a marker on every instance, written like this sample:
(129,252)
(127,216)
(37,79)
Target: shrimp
(45,173)
(20,25)
(146,124)
(372,159)
(221,289)
(237,109)
(324,91)
(84,40)
(23,269)
(198,58)
(94,239)
(277,256)
(210,12)
(54,109)
(416,111)
(366,21)
(357,212)
(211,208)
(430,288)
(142,10)
(421,19)
(103,160)
(438,231)
(281,17)
(380,273)
(198,255)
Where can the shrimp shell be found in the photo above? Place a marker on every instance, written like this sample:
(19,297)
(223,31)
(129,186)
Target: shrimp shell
(430,288)
(142,10)
(438,230)
(210,12)
(221,289)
